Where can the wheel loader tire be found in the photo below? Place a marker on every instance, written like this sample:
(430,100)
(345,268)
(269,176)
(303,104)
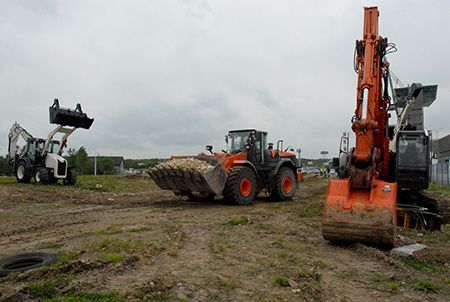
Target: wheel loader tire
(201,197)
(22,173)
(71,177)
(285,185)
(240,187)
(41,176)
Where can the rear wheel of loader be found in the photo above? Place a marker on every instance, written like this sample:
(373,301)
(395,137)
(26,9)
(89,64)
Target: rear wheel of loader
(71,177)
(201,197)
(41,176)
(22,173)
(285,184)
(241,185)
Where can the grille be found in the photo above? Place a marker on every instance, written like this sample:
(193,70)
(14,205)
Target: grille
(61,168)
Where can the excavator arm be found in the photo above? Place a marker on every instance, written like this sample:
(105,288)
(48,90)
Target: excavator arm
(361,207)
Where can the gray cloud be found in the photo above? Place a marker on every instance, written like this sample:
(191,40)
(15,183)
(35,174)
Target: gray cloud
(168,77)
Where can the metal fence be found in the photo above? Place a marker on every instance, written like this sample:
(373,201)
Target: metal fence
(440,174)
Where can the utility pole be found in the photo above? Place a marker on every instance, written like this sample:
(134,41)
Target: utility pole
(95,164)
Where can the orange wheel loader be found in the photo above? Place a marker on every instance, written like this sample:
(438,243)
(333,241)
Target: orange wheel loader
(250,166)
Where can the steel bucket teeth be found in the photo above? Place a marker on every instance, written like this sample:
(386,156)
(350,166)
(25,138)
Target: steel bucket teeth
(189,175)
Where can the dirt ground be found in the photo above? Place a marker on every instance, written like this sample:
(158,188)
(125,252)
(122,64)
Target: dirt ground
(123,239)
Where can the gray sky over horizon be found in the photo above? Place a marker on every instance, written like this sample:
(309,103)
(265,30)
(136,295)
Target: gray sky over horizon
(168,77)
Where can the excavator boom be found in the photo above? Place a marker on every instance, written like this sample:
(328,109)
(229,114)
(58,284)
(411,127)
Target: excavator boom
(361,207)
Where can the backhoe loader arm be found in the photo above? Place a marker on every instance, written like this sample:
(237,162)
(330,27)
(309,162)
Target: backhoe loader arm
(14,134)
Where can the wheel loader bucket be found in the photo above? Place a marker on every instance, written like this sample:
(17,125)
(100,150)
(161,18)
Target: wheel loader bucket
(187,175)
(360,215)
(68,117)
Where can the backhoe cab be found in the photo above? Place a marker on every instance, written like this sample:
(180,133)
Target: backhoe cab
(249,166)
(42,158)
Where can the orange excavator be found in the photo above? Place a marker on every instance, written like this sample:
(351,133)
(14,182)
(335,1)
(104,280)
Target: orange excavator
(361,206)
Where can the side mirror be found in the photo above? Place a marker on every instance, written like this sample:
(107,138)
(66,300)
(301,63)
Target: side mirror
(226,139)
(209,148)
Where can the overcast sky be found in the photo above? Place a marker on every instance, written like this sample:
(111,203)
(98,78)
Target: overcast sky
(168,77)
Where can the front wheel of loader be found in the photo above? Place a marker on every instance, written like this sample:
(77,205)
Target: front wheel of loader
(240,187)
(285,185)
(41,176)
(22,173)
(71,177)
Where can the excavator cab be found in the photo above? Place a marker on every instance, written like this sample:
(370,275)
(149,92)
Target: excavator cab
(413,160)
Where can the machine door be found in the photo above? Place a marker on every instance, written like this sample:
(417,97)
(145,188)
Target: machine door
(260,141)
(413,160)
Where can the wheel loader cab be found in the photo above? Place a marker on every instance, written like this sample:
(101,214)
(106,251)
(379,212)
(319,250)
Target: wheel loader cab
(252,141)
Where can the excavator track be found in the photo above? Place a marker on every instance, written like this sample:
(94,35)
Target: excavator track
(188,175)
(422,210)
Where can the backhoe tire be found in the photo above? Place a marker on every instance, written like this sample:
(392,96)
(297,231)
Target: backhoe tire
(22,173)
(207,197)
(285,185)
(240,187)
(71,177)
(52,179)
(41,176)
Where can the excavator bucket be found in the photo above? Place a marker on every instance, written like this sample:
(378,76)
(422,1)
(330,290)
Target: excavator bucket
(360,215)
(68,117)
(185,175)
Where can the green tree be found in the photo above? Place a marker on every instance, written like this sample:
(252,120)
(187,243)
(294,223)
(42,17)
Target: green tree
(78,160)
(4,169)
(105,165)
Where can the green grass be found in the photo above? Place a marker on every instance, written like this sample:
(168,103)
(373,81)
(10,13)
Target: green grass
(378,279)
(7,180)
(228,286)
(434,187)
(64,257)
(114,245)
(310,211)
(113,258)
(48,288)
(280,281)
(420,265)
(238,221)
(426,286)
(88,297)
(114,183)
(394,286)
(99,183)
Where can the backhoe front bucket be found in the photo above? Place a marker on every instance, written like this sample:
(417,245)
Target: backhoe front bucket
(360,215)
(188,175)
(68,117)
